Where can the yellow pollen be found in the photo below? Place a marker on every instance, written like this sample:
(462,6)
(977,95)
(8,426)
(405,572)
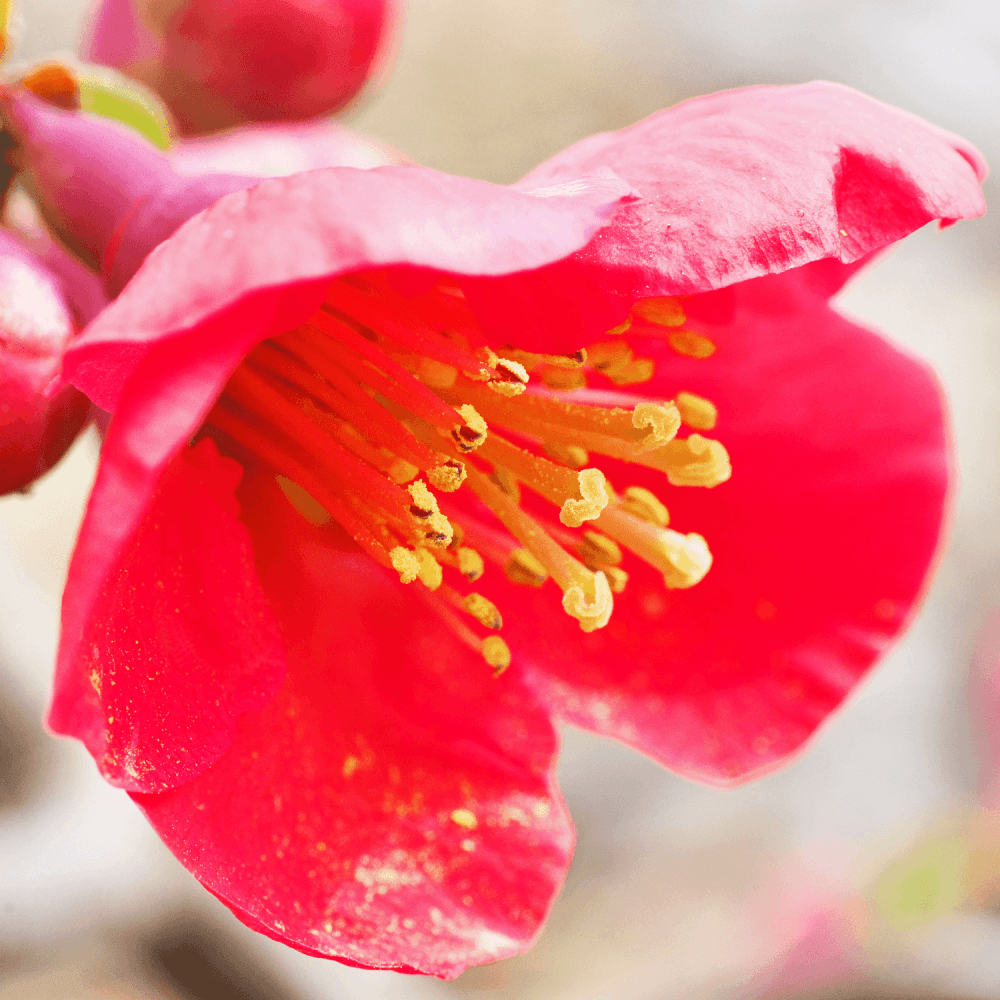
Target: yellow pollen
(496,653)
(569,454)
(617,578)
(592,611)
(522,567)
(696,411)
(599,551)
(691,345)
(437,527)
(465,818)
(696,461)
(472,433)
(470,563)
(405,563)
(665,311)
(663,421)
(591,485)
(430,572)
(483,610)
(645,505)
(513,378)
(532,361)
(448,477)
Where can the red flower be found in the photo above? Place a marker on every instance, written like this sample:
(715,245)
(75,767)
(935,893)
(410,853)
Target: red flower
(323,747)
(219,63)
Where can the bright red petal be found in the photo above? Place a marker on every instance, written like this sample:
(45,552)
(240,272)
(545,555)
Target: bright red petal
(822,541)
(393,806)
(179,640)
(734,186)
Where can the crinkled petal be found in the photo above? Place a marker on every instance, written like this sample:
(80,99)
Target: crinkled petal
(734,186)
(393,806)
(304,230)
(180,640)
(822,540)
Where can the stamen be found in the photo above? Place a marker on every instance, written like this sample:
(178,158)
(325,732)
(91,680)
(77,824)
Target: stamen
(696,461)
(690,344)
(561,379)
(696,411)
(472,433)
(646,506)
(496,653)
(598,551)
(531,361)
(512,378)
(580,495)
(666,311)
(586,595)
(522,567)
(682,559)
(569,454)
(663,421)
(425,507)
(447,477)
(483,610)
(405,563)
(617,578)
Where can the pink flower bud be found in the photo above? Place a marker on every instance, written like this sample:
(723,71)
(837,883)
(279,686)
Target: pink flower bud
(219,63)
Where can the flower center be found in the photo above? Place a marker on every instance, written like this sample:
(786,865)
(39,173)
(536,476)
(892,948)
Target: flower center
(381,405)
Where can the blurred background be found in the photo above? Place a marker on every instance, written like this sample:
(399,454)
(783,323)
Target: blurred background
(846,875)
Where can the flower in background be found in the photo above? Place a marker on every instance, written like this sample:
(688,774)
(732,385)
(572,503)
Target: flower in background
(41,310)
(219,63)
(344,398)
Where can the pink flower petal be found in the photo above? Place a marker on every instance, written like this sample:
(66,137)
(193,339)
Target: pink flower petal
(393,806)
(180,640)
(733,186)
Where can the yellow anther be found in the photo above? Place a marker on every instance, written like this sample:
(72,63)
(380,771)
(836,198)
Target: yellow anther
(569,454)
(620,328)
(599,549)
(522,567)
(663,421)
(690,344)
(483,610)
(496,653)
(645,505)
(447,477)
(637,370)
(665,311)
(617,578)
(562,379)
(465,818)
(436,373)
(697,461)
(424,502)
(531,360)
(506,480)
(592,611)
(472,433)
(595,499)
(512,377)
(430,572)
(696,411)
(405,563)
(608,355)
(470,563)
(687,559)
(401,471)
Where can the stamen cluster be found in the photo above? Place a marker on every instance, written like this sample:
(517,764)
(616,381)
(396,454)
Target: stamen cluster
(380,402)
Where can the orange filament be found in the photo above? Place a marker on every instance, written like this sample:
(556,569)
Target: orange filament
(381,405)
